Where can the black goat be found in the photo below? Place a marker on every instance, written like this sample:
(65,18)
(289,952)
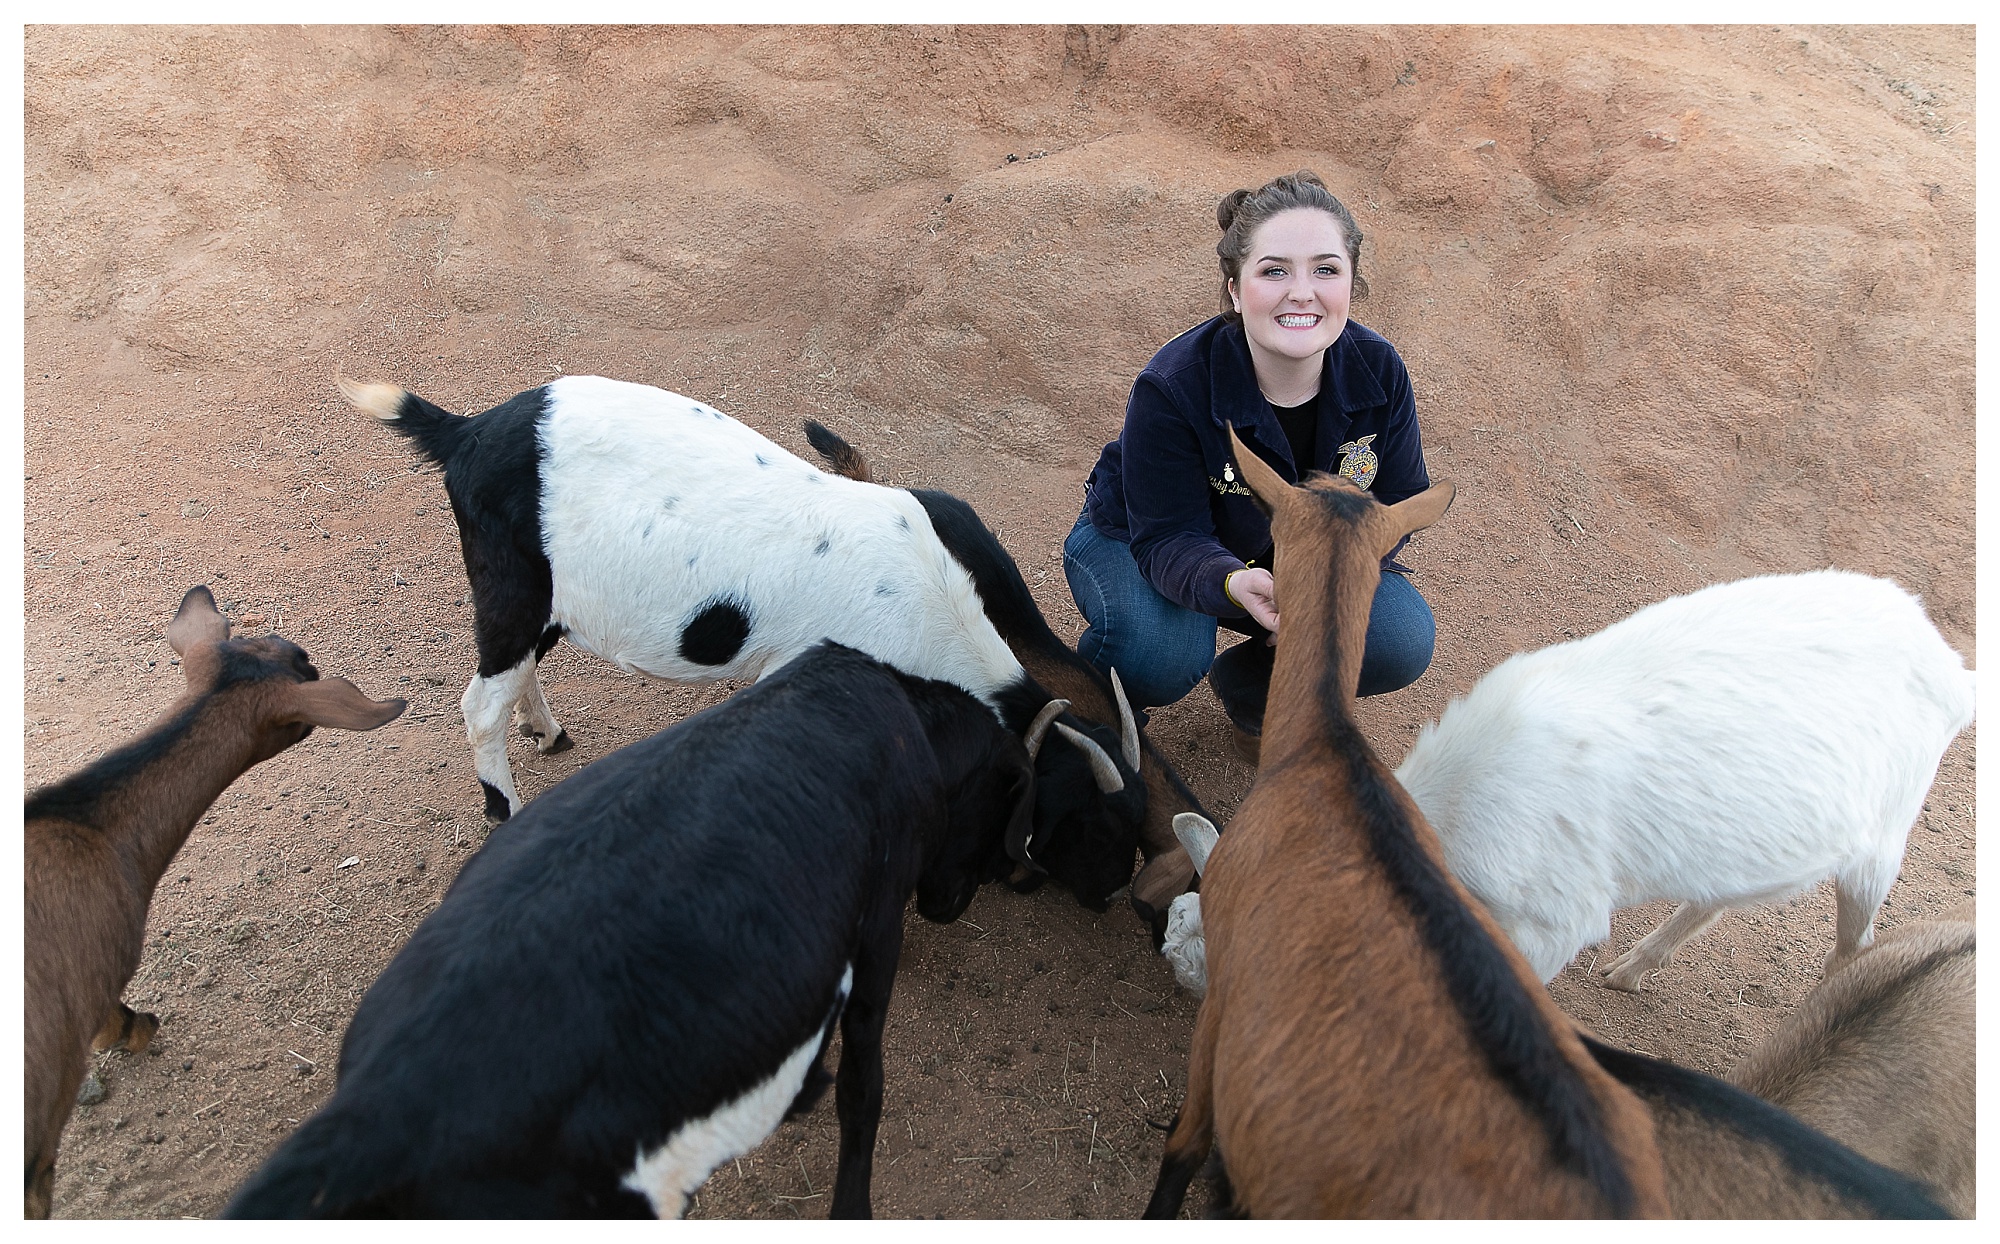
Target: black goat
(636,981)
(1138,794)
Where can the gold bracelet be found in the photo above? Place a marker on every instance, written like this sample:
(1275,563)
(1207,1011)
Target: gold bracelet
(1231,596)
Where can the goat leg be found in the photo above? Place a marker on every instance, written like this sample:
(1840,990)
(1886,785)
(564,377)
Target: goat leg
(857,1092)
(132,1029)
(1193,1135)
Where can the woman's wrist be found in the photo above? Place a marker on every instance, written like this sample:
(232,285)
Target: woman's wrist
(1231,596)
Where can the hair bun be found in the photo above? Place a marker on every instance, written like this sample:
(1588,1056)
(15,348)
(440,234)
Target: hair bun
(1225,211)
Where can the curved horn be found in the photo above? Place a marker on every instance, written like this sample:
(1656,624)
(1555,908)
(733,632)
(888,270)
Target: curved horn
(1102,767)
(1128,728)
(1032,740)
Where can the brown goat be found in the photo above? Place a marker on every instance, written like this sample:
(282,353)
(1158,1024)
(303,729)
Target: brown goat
(1880,1056)
(1371,1045)
(97,843)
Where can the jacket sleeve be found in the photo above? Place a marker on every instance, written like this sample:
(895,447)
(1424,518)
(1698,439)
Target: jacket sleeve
(1399,451)
(1167,506)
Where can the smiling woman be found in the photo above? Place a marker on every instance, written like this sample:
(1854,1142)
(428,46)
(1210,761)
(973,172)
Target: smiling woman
(1170,545)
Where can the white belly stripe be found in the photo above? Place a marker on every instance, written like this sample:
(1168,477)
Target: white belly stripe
(670,1174)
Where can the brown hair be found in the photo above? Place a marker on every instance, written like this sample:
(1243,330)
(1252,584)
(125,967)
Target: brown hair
(1242,211)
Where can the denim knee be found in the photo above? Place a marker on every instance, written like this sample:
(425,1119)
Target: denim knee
(1159,649)
(1402,635)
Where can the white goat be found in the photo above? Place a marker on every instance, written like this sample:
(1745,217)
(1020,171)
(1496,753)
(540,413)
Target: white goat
(1731,746)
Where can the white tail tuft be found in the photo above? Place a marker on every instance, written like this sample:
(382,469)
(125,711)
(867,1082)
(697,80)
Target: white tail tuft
(384,401)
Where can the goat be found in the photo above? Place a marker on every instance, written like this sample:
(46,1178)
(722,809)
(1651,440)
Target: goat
(1880,1056)
(637,981)
(1183,946)
(1730,746)
(1098,701)
(1729,1154)
(1371,1044)
(676,542)
(1726,1154)
(98,841)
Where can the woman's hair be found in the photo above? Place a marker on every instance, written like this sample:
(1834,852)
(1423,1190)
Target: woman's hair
(1242,211)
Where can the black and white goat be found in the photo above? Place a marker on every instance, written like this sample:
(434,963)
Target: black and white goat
(673,541)
(637,981)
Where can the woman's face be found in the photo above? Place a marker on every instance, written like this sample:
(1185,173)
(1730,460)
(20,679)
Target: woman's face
(1297,280)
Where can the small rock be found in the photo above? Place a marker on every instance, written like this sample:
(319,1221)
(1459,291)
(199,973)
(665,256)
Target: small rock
(91,1092)
(349,862)
(193,509)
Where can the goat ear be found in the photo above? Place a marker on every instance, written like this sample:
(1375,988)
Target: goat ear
(1198,835)
(338,703)
(1418,512)
(198,622)
(1267,487)
(1021,822)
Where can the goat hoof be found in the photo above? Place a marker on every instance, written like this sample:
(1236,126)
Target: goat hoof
(497,809)
(562,743)
(127,1029)
(1625,976)
(145,1025)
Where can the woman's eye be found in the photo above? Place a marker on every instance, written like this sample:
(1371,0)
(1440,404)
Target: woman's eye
(1274,270)
(1328,270)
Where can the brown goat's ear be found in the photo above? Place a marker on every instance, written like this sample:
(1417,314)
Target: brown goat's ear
(198,622)
(1267,487)
(338,703)
(1418,512)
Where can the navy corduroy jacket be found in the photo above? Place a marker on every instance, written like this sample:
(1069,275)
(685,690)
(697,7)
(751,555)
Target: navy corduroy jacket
(1167,485)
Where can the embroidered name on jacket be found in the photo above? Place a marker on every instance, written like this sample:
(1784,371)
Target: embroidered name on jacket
(1228,484)
(1358,462)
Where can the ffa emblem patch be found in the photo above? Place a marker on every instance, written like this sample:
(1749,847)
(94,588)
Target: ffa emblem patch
(1358,462)
(1227,485)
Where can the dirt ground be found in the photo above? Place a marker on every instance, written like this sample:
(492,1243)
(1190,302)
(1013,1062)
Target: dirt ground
(1680,306)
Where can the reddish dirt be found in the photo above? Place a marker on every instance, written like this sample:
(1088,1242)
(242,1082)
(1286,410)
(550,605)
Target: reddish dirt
(1680,306)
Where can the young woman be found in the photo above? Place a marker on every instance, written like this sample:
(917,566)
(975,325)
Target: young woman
(1169,544)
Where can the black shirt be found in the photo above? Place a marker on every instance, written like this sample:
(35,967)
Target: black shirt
(1301,424)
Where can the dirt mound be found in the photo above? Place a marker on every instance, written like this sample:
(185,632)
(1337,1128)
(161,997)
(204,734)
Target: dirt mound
(1679,305)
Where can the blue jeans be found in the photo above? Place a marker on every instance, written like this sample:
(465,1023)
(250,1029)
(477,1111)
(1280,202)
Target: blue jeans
(1162,650)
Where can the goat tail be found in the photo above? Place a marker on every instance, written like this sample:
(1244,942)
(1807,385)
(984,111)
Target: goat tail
(436,430)
(844,458)
(335,1165)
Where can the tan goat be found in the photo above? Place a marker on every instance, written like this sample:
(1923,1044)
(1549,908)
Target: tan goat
(97,843)
(1880,1056)
(1370,1044)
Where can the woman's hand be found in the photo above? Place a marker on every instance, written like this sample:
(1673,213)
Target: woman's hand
(1252,588)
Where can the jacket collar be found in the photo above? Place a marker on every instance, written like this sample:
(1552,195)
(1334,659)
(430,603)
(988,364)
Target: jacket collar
(1235,398)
